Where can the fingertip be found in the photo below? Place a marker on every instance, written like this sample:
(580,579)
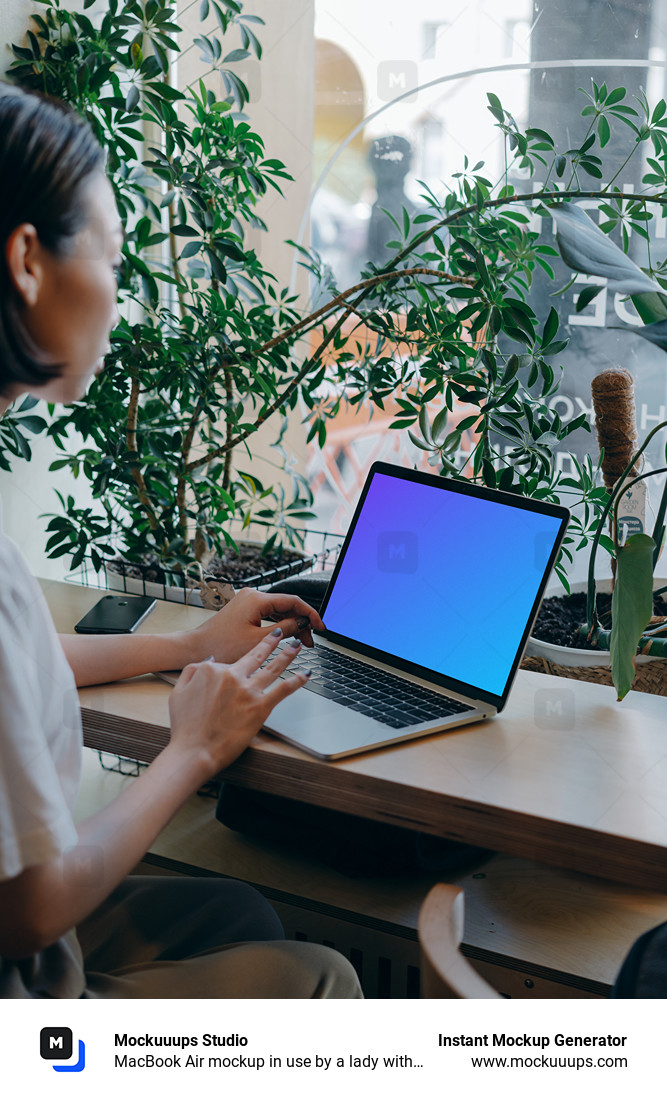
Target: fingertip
(296,680)
(273,636)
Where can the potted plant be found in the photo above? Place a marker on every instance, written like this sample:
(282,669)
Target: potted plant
(184,391)
(443,329)
(215,351)
(634,629)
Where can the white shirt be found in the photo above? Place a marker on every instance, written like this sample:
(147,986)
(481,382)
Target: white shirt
(40,724)
(40,764)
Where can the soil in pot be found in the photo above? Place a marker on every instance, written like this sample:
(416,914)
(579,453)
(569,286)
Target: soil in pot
(251,562)
(237,567)
(561,617)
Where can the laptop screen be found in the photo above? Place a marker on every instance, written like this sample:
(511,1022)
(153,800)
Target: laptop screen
(443,575)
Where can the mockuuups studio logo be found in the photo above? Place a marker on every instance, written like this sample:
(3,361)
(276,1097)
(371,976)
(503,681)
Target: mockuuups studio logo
(554,709)
(397,551)
(55,1044)
(395,78)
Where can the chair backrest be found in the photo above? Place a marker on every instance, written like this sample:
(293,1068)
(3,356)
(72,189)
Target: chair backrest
(445,973)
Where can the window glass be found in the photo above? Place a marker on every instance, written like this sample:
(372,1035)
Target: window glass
(401,98)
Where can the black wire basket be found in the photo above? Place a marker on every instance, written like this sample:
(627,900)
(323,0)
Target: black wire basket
(320,554)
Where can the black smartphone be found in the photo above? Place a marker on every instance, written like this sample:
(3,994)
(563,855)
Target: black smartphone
(116,614)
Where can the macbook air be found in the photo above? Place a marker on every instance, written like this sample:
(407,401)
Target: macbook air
(426,616)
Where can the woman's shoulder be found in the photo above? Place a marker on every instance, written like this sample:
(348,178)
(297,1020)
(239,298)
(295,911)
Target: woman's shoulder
(19,590)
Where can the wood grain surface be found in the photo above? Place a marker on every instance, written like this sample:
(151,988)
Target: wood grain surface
(564,776)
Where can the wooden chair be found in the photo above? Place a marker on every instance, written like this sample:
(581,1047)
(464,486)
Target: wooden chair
(445,973)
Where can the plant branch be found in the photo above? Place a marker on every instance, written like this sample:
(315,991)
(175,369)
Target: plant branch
(331,306)
(365,287)
(634,481)
(591,613)
(659,526)
(296,381)
(617,174)
(504,200)
(389,272)
(174,263)
(131,439)
(227,473)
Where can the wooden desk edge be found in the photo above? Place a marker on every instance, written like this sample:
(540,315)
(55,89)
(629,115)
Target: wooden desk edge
(528,837)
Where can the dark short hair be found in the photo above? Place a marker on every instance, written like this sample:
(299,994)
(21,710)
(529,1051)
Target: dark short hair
(47,153)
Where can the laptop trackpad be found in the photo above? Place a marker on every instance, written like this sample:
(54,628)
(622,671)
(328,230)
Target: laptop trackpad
(325,728)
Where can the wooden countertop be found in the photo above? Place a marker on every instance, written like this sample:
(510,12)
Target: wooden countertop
(565,775)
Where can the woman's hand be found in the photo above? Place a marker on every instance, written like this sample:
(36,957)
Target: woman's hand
(216,709)
(226,636)
(234,630)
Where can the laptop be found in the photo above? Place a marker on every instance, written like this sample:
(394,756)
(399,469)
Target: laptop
(427,613)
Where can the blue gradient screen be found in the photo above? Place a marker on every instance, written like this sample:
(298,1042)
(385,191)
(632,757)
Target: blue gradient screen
(442,579)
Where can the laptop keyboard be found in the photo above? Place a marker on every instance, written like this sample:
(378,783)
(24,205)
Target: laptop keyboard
(371,691)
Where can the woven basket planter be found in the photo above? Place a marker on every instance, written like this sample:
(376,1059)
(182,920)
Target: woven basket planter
(650,678)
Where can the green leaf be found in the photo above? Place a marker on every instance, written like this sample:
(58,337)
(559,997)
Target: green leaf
(550,327)
(416,441)
(35,424)
(21,442)
(631,607)
(78,558)
(27,403)
(604,131)
(511,369)
(489,473)
(541,135)
(615,96)
(590,168)
(184,231)
(651,307)
(235,55)
(440,424)
(495,107)
(132,99)
(424,424)
(586,296)
(191,249)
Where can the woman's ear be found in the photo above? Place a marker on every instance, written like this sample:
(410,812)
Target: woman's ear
(23,256)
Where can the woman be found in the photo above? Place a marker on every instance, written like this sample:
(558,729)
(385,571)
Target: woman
(61,236)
